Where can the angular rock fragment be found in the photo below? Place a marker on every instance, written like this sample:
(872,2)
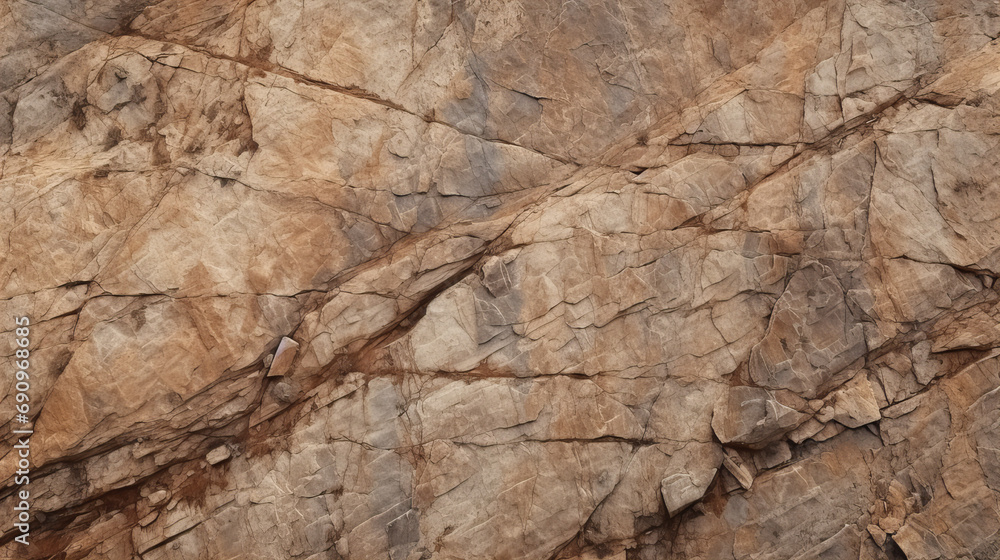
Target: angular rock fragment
(854,404)
(283,357)
(218,455)
(753,416)
(772,455)
(736,467)
(682,489)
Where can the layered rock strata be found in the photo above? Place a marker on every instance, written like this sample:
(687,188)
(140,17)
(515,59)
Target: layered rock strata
(496,280)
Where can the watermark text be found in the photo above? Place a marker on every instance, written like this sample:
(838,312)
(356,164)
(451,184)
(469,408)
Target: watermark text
(22,408)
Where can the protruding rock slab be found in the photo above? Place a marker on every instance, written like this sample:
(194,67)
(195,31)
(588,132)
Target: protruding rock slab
(218,455)
(283,357)
(738,468)
(753,416)
(683,489)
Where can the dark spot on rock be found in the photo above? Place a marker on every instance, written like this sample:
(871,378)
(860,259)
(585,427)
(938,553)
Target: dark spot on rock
(403,532)
(138,317)
(138,93)
(113,138)
(161,155)
(196,488)
(644,523)
(892,550)
(262,52)
(603,550)
(78,117)
(61,361)
(969,187)
(249,145)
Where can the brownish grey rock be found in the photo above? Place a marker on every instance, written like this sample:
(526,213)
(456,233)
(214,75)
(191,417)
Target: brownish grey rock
(502,279)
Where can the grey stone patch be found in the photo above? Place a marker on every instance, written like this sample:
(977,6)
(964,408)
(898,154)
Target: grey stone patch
(403,533)
(812,338)
(40,110)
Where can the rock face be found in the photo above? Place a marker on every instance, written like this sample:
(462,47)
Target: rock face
(502,279)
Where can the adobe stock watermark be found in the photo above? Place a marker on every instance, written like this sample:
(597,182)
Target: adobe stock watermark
(22,406)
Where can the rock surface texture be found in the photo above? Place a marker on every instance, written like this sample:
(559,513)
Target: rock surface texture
(491,279)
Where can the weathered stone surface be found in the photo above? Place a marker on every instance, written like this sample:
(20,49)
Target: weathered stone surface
(813,336)
(681,489)
(502,279)
(753,416)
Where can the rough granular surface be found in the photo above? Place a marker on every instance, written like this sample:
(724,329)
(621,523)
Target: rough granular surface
(500,279)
